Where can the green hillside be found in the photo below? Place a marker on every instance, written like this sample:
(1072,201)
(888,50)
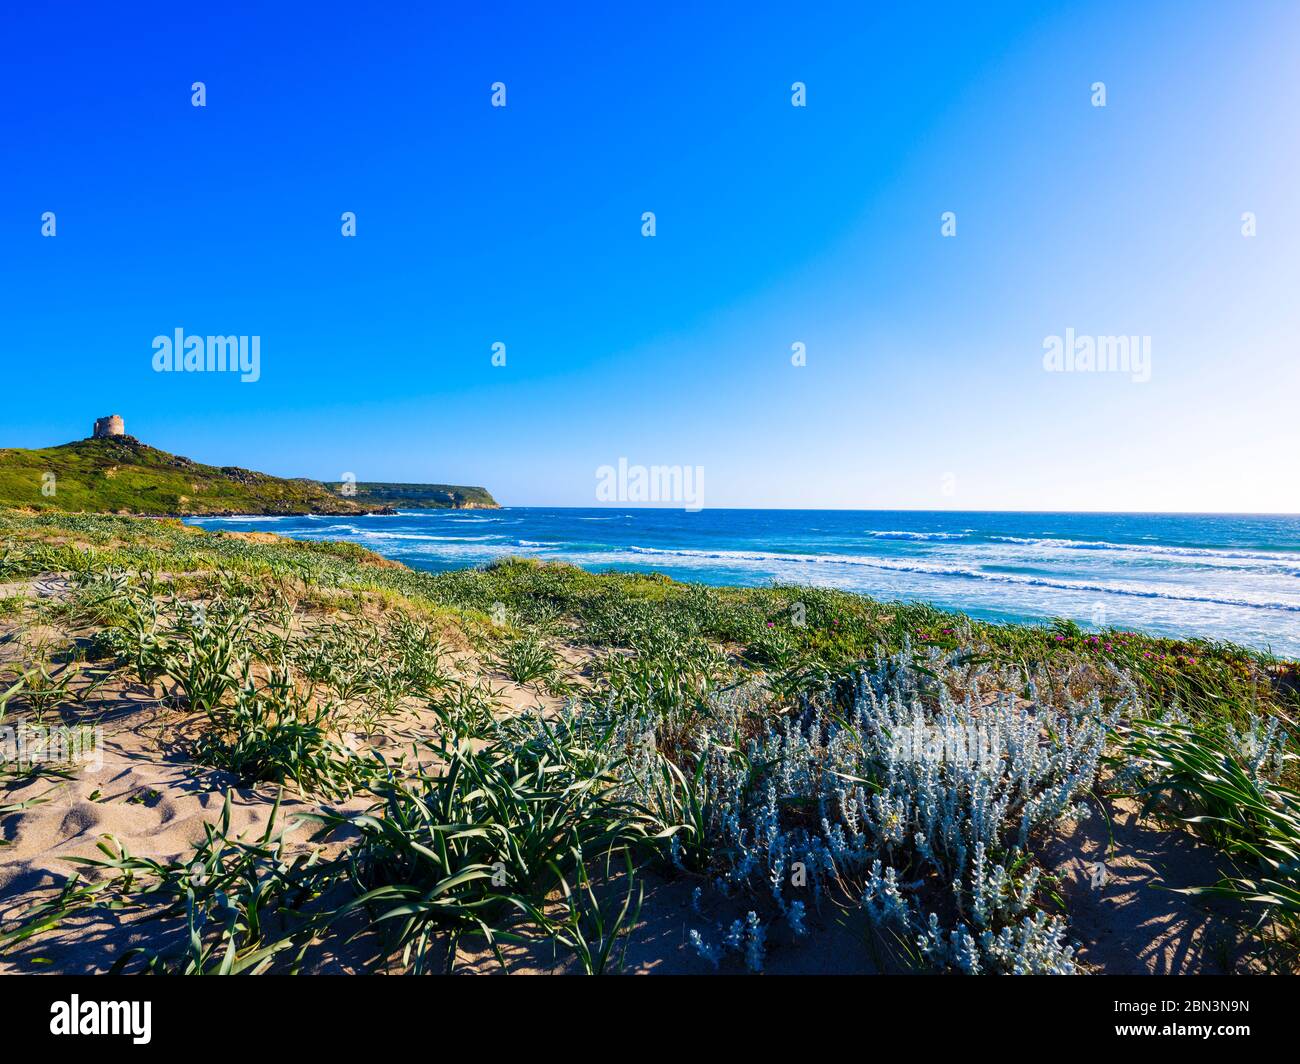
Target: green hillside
(122,475)
(422,496)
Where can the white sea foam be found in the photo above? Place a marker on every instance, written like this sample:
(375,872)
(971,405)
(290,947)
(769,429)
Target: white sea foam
(1285,557)
(374,534)
(935,569)
(917,535)
(1236,591)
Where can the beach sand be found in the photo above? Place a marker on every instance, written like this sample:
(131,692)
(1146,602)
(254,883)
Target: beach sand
(142,789)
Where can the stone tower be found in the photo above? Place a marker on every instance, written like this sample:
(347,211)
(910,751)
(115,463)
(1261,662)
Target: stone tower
(113,425)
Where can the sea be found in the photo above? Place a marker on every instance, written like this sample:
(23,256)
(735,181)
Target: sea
(1223,577)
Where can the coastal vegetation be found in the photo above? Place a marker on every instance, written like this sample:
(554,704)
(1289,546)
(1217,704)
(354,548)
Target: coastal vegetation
(374,495)
(783,764)
(119,474)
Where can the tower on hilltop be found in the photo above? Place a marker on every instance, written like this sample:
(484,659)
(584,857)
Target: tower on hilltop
(113,425)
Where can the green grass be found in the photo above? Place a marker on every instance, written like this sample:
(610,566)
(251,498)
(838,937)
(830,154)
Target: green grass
(13,774)
(422,496)
(1208,781)
(281,650)
(123,475)
(529,661)
(797,635)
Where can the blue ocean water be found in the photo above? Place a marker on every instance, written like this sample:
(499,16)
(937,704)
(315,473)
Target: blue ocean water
(1221,577)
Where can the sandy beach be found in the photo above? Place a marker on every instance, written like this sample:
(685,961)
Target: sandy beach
(150,789)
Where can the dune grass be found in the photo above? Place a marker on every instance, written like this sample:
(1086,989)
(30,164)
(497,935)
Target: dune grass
(723,735)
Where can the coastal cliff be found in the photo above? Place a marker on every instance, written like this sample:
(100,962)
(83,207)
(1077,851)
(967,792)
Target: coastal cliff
(116,473)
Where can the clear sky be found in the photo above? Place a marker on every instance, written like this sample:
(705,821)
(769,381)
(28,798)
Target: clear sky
(924,385)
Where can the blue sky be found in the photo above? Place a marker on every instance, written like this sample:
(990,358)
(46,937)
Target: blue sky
(924,385)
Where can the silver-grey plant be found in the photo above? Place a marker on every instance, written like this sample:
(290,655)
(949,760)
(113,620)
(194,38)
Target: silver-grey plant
(927,790)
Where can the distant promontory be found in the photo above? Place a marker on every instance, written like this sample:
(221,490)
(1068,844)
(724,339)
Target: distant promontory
(111,472)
